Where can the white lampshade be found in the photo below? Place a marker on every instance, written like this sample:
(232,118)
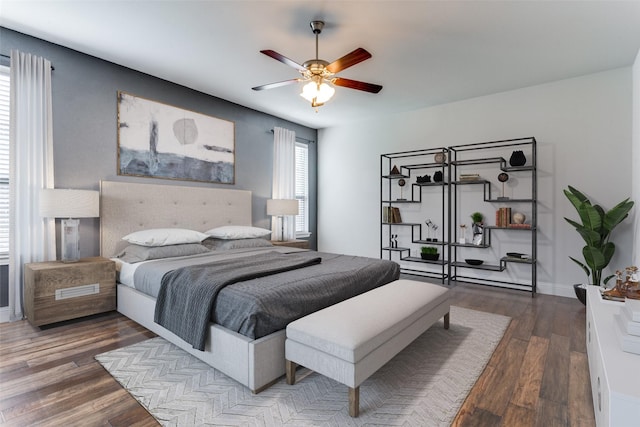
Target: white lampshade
(58,203)
(322,92)
(277,207)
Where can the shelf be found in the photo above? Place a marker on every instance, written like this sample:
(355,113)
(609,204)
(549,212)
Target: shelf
(470,245)
(483,161)
(416,259)
(493,227)
(479,267)
(395,176)
(470,182)
(509,200)
(517,168)
(517,260)
(429,242)
(429,184)
(394,249)
(401,201)
(412,224)
(426,166)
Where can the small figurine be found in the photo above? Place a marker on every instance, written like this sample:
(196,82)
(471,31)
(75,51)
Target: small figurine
(618,291)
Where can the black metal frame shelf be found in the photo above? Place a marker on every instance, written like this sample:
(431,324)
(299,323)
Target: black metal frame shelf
(415,161)
(460,159)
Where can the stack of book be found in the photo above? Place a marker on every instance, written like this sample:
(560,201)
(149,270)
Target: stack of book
(391,215)
(503,217)
(469,177)
(628,326)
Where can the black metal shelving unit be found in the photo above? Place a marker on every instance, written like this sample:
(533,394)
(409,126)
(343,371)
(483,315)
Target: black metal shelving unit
(410,164)
(458,158)
(465,157)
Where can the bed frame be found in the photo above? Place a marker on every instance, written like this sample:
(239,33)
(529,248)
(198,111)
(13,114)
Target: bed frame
(126,207)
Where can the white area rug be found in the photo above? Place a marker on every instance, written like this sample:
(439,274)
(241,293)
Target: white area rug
(424,385)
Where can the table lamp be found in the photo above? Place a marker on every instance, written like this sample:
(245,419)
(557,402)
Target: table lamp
(69,204)
(280,208)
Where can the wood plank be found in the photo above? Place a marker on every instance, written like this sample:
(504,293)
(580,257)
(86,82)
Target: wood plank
(555,381)
(527,389)
(518,416)
(580,403)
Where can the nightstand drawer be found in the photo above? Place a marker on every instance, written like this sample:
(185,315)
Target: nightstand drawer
(56,291)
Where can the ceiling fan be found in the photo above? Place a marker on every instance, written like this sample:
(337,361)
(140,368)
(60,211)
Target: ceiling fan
(321,74)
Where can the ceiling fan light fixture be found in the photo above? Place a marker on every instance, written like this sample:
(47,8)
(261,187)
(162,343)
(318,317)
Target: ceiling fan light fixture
(317,93)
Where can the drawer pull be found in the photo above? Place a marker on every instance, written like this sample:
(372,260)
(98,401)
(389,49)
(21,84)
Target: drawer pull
(599,396)
(78,291)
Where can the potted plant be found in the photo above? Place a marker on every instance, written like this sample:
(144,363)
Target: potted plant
(429,253)
(477,228)
(595,228)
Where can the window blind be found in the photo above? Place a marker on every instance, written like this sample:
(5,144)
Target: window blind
(302,188)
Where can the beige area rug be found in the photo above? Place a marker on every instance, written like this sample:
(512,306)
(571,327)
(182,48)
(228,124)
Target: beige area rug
(424,385)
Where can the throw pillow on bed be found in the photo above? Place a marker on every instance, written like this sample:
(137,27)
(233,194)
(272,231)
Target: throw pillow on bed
(164,237)
(137,253)
(228,232)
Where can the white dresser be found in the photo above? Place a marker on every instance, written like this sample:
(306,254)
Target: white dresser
(615,374)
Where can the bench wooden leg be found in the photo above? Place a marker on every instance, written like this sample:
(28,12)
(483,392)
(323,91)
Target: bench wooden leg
(446,321)
(354,402)
(291,372)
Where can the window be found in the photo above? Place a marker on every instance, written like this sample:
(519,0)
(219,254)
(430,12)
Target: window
(302,189)
(4,164)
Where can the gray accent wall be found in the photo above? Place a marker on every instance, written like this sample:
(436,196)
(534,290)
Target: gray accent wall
(85,134)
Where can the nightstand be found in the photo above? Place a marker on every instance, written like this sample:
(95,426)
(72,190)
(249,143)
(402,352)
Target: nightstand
(55,291)
(302,244)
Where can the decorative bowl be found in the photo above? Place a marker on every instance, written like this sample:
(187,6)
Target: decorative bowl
(471,261)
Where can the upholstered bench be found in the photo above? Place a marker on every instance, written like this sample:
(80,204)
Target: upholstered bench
(351,340)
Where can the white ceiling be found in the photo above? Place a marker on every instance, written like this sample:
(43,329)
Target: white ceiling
(425,53)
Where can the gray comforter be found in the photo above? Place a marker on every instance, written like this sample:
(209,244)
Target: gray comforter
(258,307)
(185,310)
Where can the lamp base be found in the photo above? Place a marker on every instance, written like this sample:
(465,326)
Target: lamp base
(70,240)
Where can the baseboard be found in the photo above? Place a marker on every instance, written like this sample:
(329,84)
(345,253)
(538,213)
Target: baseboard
(556,289)
(4,314)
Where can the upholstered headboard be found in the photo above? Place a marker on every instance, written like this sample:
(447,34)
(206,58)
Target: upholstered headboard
(126,207)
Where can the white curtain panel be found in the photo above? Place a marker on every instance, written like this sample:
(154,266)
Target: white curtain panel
(31,238)
(284,184)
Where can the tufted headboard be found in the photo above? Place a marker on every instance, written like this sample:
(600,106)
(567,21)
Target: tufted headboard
(126,207)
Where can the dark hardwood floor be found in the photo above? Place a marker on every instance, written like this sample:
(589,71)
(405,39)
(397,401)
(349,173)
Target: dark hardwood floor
(538,375)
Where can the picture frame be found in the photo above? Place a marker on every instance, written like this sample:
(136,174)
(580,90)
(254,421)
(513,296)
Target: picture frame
(158,140)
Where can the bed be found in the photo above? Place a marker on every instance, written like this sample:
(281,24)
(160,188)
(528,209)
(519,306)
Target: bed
(255,361)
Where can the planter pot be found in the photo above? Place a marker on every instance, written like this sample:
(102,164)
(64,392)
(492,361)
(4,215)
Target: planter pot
(581,292)
(517,158)
(430,257)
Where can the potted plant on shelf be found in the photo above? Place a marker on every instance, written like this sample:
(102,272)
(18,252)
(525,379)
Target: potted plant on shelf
(595,228)
(429,253)
(477,228)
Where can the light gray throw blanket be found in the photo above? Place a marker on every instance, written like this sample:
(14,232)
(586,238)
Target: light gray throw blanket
(187,294)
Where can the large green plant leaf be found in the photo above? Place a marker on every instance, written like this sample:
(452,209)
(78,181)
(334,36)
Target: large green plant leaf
(594,258)
(590,217)
(608,249)
(617,214)
(590,237)
(575,197)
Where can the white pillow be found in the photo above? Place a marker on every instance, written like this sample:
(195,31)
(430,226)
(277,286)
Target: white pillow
(164,237)
(237,232)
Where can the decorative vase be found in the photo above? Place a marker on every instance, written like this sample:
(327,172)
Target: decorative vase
(517,158)
(437,177)
(518,218)
(581,292)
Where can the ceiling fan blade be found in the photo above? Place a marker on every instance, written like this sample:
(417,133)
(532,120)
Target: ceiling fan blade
(277,84)
(354,84)
(348,60)
(275,55)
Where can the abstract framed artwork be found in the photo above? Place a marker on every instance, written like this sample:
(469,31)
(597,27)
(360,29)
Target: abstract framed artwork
(162,141)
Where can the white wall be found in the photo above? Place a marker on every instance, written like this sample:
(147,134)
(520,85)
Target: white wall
(636,158)
(583,128)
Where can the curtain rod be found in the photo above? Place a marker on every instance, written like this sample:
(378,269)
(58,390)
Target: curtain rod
(300,139)
(8,57)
